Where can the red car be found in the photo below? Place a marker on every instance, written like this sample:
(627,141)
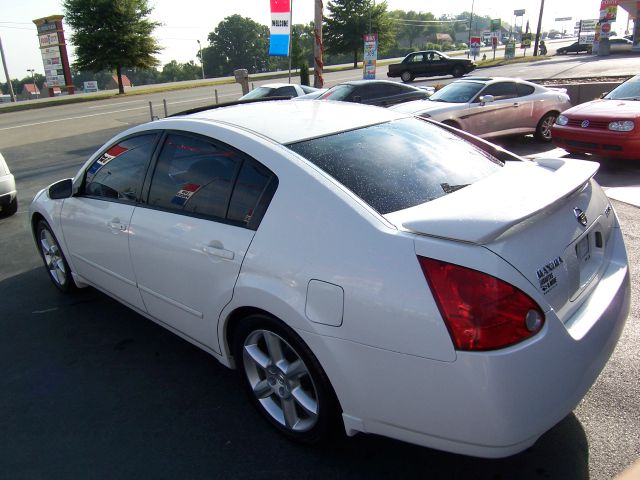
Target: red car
(608,127)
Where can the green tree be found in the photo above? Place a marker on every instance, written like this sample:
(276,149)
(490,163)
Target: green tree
(349,20)
(237,42)
(112,34)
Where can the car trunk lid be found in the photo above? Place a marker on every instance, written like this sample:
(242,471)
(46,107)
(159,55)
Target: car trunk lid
(548,219)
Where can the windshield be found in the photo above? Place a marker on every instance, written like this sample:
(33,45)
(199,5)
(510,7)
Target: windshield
(397,165)
(259,92)
(629,90)
(457,92)
(339,92)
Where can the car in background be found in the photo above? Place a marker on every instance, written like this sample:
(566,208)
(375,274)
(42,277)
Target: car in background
(493,106)
(312,95)
(278,90)
(8,192)
(575,47)
(619,45)
(429,63)
(608,127)
(382,93)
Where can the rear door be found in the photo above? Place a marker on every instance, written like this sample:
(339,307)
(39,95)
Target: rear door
(204,202)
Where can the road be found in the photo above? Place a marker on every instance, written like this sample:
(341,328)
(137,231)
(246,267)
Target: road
(91,389)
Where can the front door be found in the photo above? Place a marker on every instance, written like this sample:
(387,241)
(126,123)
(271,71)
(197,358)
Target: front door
(96,221)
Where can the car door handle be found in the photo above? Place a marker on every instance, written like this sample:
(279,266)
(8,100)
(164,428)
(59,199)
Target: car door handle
(115,224)
(516,104)
(217,250)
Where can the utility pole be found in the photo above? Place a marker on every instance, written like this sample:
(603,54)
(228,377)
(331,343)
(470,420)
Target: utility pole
(6,72)
(470,21)
(33,81)
(318,48)
(535,45)
(201,59)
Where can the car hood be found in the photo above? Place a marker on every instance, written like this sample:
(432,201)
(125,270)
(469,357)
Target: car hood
(606,109)
(431,107)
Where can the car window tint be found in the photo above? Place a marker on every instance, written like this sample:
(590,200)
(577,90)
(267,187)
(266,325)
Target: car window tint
(418,58)
(119,172)
(194,176)
(397,165)
(252,193)
(501,90)
(524,89)
(284,92)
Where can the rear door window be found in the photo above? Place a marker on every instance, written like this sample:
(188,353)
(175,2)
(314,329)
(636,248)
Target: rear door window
(201,177)
(397,165)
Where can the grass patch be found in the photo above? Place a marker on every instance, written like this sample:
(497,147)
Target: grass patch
(501,61)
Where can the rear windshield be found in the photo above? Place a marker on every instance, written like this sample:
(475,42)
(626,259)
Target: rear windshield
(400,164)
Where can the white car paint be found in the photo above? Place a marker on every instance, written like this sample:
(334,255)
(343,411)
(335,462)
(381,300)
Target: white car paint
(8,190)
(347,280)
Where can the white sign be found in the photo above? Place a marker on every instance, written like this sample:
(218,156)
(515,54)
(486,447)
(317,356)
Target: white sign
(91,86)
(587,38)
(588,25)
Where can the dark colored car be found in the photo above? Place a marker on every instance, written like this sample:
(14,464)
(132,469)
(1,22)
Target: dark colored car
(575,47)
(429,63)
(382,93)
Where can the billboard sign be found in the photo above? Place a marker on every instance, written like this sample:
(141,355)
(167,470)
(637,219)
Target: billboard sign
(370,56)
(519,13)
(475,46)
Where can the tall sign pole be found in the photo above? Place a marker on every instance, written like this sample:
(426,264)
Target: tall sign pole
(535,45)
(53,48)
(318,47)
(6,73)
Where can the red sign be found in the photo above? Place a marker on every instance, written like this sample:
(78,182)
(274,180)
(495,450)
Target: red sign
(606,27)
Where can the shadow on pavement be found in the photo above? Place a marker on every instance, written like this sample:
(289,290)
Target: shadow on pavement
(91,389)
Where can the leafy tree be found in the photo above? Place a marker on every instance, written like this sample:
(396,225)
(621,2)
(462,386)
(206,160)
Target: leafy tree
(112,34)
(178,72)
(410,25)
(237,42)
(349,20)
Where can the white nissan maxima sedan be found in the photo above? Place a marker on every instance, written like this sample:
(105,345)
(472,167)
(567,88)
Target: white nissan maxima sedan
(358,266)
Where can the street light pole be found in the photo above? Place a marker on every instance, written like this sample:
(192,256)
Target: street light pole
(470,21)
(33,80)
(201,59)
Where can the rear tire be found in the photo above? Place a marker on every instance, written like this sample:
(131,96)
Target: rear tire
(543,129)
(284,380)
(53,258)
(406,76)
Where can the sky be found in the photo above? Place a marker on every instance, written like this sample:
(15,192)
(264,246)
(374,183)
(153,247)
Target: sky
(187,21)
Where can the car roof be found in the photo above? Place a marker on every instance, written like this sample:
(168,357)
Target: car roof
(285,121)
(371,82)
(274,85)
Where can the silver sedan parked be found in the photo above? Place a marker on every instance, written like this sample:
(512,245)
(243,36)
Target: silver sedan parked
(492,107)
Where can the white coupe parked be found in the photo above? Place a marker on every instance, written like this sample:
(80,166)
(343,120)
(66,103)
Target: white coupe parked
(358,266)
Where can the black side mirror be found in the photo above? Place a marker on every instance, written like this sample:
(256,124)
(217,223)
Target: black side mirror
(604,94)
(61,189)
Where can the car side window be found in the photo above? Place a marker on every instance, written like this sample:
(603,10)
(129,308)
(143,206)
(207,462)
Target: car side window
(252,194)
(418,58)
(210,179)
(285,92)
(524,90)
(194,176)
(501,90)
(118,174)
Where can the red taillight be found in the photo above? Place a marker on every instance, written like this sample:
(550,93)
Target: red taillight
(481,312)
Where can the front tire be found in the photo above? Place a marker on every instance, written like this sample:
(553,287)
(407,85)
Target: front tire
(406,76)
(53,258)
(457,71)
(543,129)
(284,380)
(11,209)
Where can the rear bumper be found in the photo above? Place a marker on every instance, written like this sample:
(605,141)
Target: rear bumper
(488,404)
(602,143)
